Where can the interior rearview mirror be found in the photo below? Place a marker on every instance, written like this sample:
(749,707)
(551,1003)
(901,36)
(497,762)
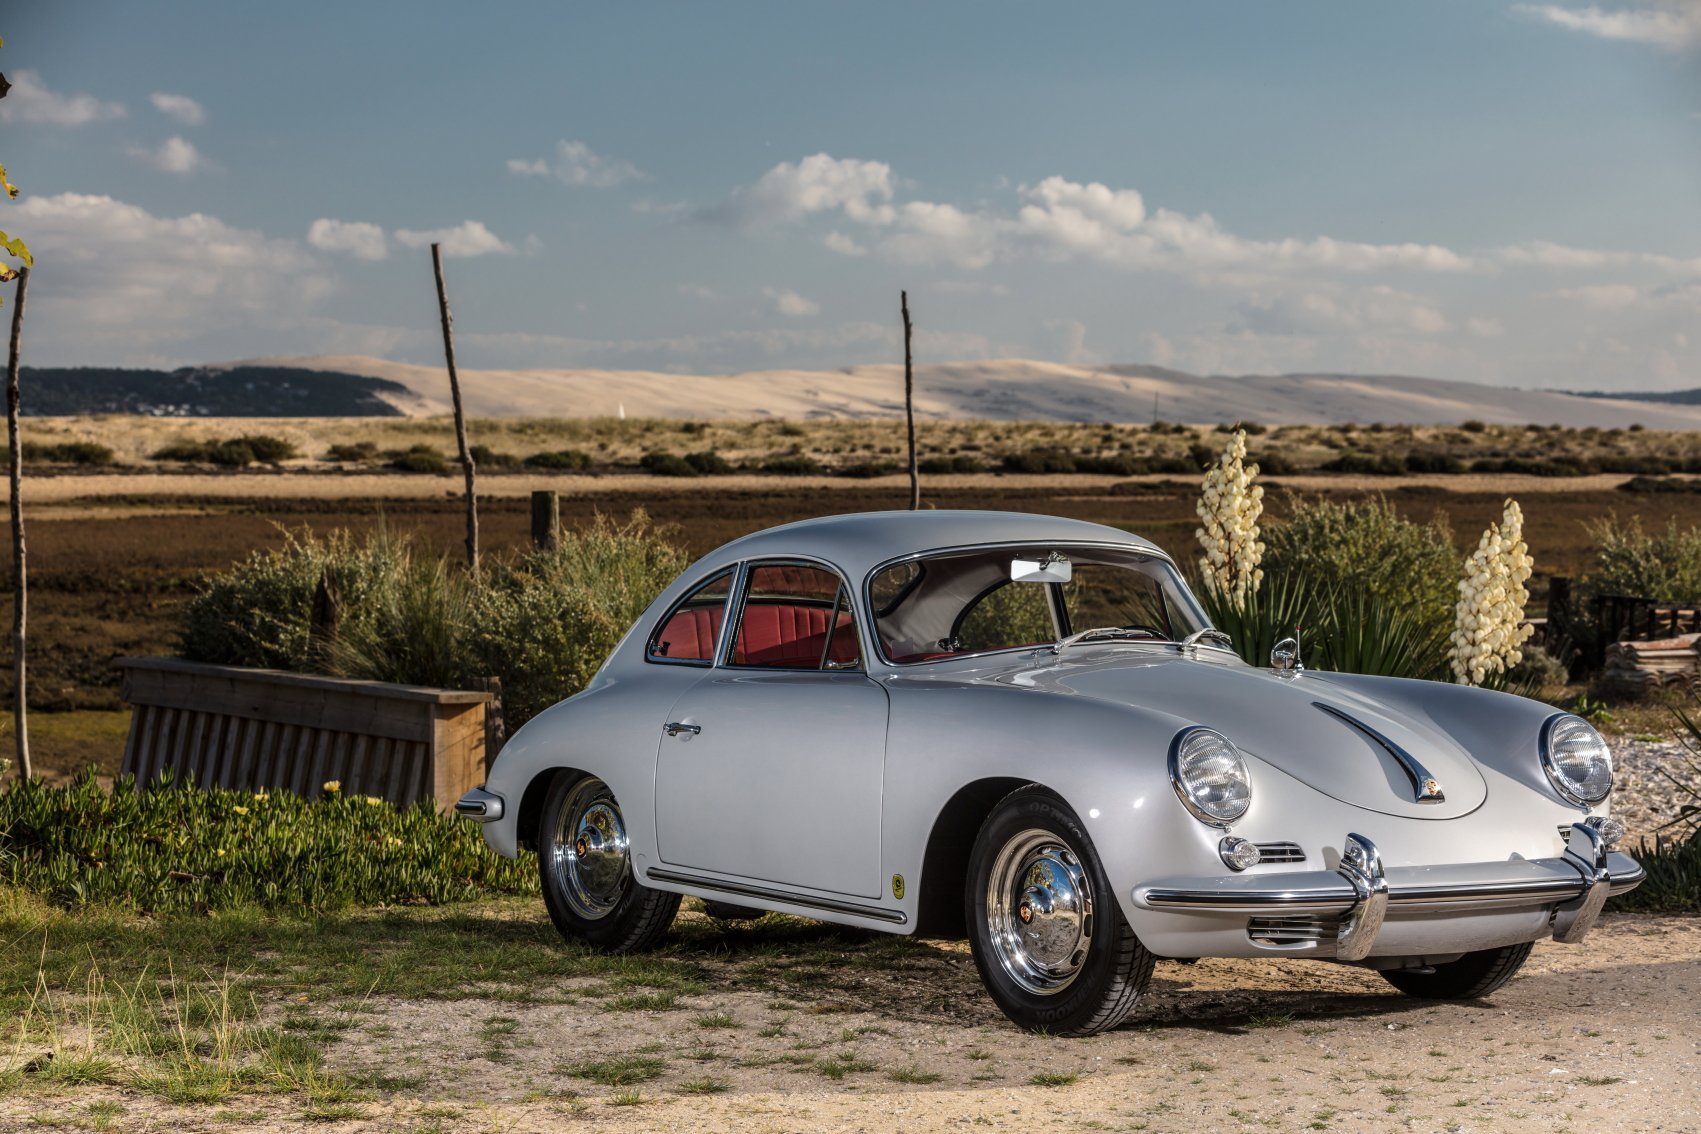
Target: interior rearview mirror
(1054,568)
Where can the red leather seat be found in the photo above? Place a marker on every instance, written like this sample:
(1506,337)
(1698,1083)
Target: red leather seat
(792,635)
(690,634)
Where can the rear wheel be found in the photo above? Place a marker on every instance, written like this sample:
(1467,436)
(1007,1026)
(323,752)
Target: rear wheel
(586,870)
(1473,975)
(1047,936)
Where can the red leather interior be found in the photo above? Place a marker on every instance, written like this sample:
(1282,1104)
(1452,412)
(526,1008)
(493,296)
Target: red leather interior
(690,634)
(791,635)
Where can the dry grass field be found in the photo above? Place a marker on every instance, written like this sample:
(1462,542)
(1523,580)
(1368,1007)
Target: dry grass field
(116,551)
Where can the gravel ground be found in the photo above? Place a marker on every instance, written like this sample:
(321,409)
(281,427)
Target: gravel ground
(1644,798)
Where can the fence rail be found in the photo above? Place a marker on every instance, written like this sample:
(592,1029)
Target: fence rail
(261,729)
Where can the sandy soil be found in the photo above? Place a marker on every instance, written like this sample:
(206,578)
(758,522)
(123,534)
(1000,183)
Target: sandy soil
(96,487)
(1603,1036)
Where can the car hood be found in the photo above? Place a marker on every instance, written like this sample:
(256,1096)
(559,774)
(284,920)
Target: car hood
(1338,741)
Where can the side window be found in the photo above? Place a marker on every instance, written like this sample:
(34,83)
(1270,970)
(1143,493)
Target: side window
(1011,614)
(689,632)
(795,616)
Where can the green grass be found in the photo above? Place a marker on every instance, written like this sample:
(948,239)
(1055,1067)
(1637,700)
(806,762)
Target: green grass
(711,1085)
(713,1020)
(620,1071)
(1053,1079)
(913,1075)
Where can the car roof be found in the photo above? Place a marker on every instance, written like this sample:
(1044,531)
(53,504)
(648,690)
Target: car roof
(861,541)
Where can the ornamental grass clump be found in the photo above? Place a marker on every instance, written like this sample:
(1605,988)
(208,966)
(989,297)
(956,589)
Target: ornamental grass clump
(1229,507)
(1490,630)
(181,849)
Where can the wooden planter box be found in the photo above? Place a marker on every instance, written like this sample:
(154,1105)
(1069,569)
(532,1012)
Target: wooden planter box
(264,729)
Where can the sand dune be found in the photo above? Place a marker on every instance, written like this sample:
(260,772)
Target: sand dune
(1000,389)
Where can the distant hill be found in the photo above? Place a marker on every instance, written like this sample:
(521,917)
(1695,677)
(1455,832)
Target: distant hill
(1009,389)
(200,391)
(1669,397)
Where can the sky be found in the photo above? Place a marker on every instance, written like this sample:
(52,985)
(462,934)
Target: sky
(1490,191)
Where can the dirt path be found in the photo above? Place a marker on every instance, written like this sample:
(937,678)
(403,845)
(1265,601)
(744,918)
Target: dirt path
(1606,1036)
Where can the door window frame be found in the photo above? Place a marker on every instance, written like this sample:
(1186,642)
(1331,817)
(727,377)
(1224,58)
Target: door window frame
(740,596)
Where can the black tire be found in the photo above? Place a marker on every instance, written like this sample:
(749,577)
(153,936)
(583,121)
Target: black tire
(1473,975)
(588,886)
(1074,975)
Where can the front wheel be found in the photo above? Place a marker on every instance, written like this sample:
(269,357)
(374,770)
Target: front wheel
(586,869)
(1052,947)
(1473,975)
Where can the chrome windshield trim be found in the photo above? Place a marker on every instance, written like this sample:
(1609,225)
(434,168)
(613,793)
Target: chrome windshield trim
(1425,787)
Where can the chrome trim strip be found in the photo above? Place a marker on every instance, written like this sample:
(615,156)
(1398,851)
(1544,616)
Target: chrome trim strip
(1425,787)
(896,917)
(480,806)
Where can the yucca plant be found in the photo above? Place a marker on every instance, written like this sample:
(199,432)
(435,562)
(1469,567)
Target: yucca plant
(1364,634)
(1282,607)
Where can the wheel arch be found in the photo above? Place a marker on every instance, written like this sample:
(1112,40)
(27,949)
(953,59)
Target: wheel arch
(532,800)
(945,861)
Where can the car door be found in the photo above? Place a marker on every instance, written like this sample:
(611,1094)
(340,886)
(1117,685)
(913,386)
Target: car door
(770,766)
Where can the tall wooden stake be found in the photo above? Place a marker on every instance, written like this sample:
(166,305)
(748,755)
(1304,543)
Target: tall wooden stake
(460,415)
(20,594)
(909,400)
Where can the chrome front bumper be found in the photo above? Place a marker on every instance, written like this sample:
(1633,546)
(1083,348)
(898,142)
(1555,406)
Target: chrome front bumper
(480,806)
(1362,893)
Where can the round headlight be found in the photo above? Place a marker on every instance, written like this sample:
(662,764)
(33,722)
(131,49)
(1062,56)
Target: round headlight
(1576,760)
(1209,776)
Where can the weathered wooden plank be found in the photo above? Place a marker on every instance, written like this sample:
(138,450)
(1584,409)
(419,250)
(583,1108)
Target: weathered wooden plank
(134,668)
(343,710)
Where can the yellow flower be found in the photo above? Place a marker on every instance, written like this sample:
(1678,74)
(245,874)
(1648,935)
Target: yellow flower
(240,810)
(372,799)
(260,797)
(333,786)
(221,852)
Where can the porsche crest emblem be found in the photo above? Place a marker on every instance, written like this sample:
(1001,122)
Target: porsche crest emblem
(898,886)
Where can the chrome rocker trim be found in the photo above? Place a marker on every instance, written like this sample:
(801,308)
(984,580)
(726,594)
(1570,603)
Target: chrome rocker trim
(1577,885)
(779,897)
(480,806)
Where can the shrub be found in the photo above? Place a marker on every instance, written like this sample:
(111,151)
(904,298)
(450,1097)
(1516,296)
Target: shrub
(268,449)
(1366,464)
(1365,546)
(356,451)
(419,459)
(793,464)
(1530,466)
(1275,463)
(78,844)
(667,464)
(570,460)
(709,463)
(487,458)
(961,463)
(85,453)
(1430,461)
(542,622)
(1659,485)
(865,470)
(1629,561)
(1473,426)
(1039,460)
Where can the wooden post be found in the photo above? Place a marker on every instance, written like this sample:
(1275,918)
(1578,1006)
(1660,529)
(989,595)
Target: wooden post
(460,414)
(546,519)
(909,400)
(325,620)
(20,592)
(495,728)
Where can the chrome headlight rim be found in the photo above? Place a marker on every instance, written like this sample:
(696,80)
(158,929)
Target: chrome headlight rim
(1176,780)
(1563,784)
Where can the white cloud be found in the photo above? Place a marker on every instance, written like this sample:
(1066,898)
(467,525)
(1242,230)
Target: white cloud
(469,238)
(359,239)
(788,302)
(699,291)
(31,101)
(124,275)
(1601,297)
(1673,24)
(1484,328)
(174,155)
(578,166)
(181,107)
(1056,219)
(819,183)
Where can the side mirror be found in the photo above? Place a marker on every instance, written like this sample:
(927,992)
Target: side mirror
(1284,658)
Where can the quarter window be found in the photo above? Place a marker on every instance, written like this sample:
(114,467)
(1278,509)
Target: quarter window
(690,631)
(796,616)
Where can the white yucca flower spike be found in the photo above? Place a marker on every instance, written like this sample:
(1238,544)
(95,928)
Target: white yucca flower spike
(1489,631)
(1229,506)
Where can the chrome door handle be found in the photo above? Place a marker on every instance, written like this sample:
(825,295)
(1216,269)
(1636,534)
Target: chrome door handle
(674,728)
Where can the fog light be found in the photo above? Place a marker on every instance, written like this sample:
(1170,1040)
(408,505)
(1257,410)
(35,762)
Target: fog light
(1238,853)
(1610,829)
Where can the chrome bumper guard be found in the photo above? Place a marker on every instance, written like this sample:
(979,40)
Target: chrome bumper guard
(480,806)
(1361,891)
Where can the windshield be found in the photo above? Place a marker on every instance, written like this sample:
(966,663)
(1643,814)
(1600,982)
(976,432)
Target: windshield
(967,602)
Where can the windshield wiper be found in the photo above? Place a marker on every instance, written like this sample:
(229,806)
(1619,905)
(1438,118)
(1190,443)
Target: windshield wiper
(1102,632)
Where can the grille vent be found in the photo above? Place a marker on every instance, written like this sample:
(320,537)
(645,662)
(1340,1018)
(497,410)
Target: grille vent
(1280,852)
(1289,930)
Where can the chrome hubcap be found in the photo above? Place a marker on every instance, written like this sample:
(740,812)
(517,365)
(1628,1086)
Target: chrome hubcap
(1039,912)
(589,851)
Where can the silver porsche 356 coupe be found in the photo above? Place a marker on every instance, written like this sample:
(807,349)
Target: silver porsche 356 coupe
(1024,729)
